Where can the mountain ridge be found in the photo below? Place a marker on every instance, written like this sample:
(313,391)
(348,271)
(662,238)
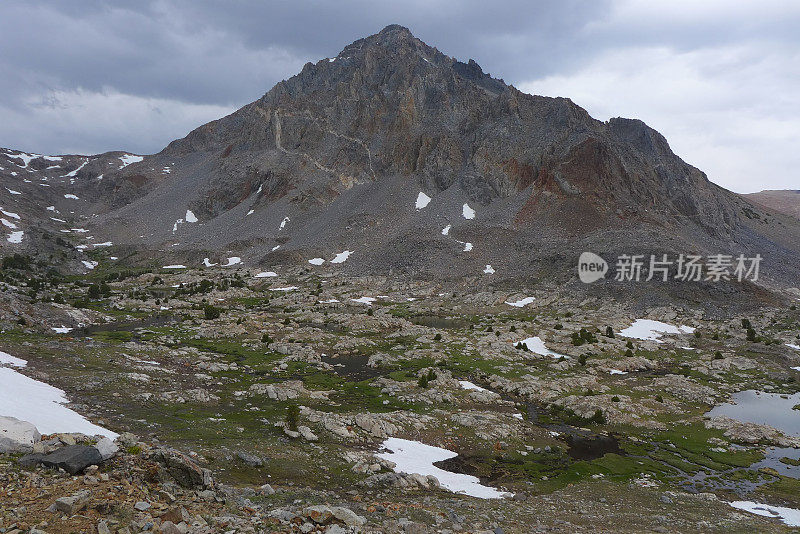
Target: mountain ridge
(343,148)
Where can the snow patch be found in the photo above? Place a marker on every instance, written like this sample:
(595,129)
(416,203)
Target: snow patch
(489,270)
(316,261)
(266,274)
(415,457)
(127,159)
(13,361)
(207,263)
(422,200)
(13,192)
(521,302)
(233,260)
(71,196)
(42,405)
(177,266)
(287,288)
(190,217)
(342,256)
(537,346)
(446,229)
(465,384)
(89,264)
(283,223)
(467,212)
(26,158)
(72,174)
(789,516)
(792,346)
(365,300)
(649,330)
(16,237)
(62,329)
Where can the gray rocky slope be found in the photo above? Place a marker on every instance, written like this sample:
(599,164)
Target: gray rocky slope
(334,158)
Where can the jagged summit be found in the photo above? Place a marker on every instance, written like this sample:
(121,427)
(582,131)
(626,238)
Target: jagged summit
(334,157)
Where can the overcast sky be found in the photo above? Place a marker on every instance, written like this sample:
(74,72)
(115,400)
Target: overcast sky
(719,78)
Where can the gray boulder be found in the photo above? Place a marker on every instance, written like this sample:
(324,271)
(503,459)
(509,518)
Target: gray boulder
(73,504)
(106,448)
(73,459)
(17,436)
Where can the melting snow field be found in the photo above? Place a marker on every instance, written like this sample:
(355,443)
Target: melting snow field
(415,457)
(789,516)
(62,329)
(266,274)
(537,346)
(647,329)
(233,260)
(522,302)
(287,288)
(190,217)
(39,403)
(364,300)
(422,200)
(174,267)
(446,229)
(795,347)
(488,270)
(316,261)
(16,237)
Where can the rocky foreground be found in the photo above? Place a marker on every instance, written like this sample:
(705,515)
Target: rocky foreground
(292,395)
(130,486)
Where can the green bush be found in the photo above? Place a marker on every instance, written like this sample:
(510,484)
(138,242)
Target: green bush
(211,312)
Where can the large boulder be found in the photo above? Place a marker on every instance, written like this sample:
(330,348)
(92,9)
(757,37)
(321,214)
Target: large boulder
(17,436)
(182,469)
(106,448)
(73,459)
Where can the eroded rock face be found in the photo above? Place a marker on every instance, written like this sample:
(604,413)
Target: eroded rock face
(17,436)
